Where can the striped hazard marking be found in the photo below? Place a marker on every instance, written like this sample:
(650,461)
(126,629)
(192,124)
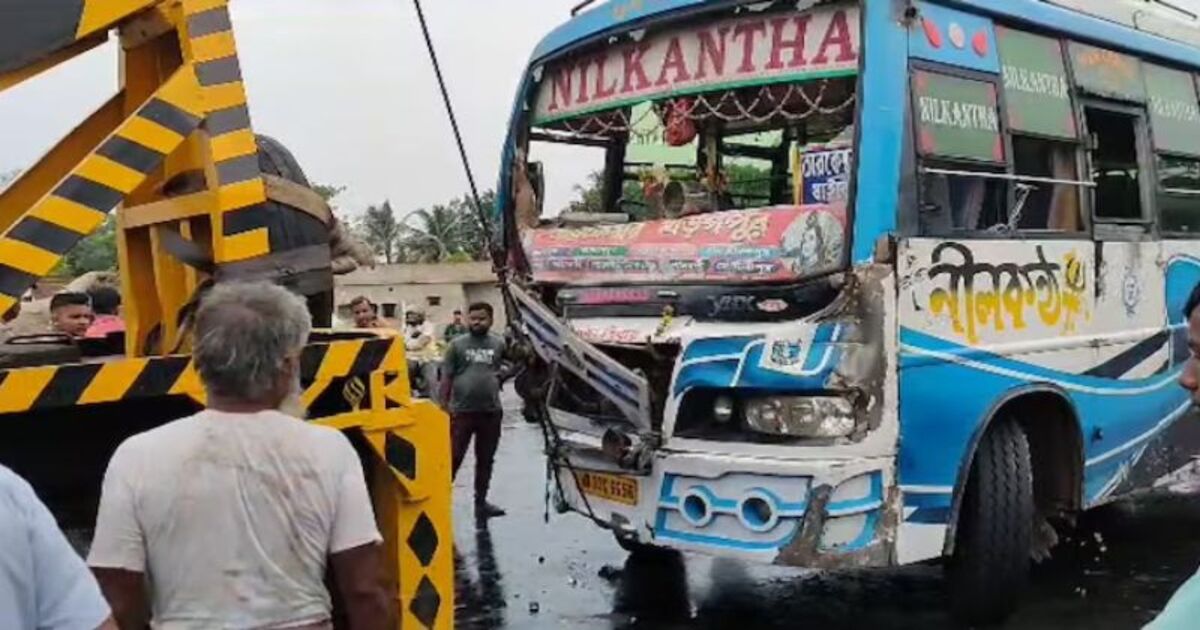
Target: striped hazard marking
(33,245)
(49,387)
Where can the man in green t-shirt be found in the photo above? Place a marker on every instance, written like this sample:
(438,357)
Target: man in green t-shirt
(473,370)
(455,329)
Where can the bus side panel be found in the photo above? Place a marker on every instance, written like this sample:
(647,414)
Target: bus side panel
(984,321)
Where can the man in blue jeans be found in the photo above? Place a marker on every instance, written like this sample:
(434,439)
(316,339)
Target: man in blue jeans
(1183,611)
(44,584)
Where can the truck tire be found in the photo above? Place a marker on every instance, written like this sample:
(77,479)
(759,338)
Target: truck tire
(990,565)
(275,159)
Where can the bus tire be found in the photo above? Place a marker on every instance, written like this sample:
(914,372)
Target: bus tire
(990,565)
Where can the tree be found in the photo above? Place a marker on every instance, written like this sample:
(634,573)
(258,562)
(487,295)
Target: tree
(474,231)
(591,195)
(448,232)
(431,235)
(328,192)
(381,231)
(97,252)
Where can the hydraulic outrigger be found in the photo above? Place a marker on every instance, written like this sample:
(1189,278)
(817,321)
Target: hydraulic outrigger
(199,199)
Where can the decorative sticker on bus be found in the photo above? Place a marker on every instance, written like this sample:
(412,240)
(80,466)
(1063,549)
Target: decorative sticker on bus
(826,174)
(821,42)
(954,38)
(1041,288)
(957,118)
(770,244)
(1174,113)
(1107,73)
(1036,89)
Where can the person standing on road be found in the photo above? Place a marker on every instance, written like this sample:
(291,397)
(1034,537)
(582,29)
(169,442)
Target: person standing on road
(456,328)
(1183,611)
(44,584)
(232,516)
(473,370)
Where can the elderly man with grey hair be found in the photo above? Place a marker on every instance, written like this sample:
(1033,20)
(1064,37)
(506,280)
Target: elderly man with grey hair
(231,517)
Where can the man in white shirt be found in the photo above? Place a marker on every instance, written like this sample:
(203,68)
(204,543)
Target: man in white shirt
(418,333)
(44,584)
(232,516)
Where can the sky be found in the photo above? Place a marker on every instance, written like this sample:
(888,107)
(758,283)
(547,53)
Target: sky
(348,87)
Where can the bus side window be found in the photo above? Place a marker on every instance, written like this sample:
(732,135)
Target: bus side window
(1115,166)
(960,203)
(1179,194)
(1049,206)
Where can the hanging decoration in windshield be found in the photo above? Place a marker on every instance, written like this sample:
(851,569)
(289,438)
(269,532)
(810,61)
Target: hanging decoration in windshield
(821,42)
(771,244)
(957,118)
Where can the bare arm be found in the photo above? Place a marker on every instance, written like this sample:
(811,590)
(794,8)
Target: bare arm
(126,594)
(109,624)
(357,575)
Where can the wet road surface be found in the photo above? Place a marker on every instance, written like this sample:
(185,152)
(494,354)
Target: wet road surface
(1116,571)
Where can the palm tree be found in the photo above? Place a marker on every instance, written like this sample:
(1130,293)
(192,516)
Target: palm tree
(432,235)
(445,230)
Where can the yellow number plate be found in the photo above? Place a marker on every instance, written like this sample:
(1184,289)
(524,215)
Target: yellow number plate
(611,487)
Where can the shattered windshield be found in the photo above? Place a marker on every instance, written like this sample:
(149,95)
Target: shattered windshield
(718,151)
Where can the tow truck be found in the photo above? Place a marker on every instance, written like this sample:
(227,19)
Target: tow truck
(198,199)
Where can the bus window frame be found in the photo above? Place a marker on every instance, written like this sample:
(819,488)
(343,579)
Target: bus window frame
(920,162)
(1159,190)
(1162,191)
(1118,229)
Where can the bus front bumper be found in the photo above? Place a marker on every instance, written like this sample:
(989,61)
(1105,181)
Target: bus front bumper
(819,513)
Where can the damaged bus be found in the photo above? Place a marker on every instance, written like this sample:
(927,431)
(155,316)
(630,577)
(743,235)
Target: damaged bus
(858,284)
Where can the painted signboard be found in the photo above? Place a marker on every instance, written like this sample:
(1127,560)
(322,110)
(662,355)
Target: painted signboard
(1035,85)
(957,118)
(770,244)
(821,42)
(953,37)
(1174,113)
(1107,73)
(826,174)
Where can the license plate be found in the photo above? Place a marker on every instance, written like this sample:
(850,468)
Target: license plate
(610,487)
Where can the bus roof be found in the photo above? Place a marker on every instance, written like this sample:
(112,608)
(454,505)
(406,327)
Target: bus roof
(610,16)
(1167,29)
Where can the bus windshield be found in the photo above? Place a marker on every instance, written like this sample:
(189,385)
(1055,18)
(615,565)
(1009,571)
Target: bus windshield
(713,151)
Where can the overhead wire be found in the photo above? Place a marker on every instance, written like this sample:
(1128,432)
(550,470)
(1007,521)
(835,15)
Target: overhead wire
(553,440)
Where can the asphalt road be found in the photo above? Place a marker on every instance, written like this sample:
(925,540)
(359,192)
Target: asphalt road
(522,572)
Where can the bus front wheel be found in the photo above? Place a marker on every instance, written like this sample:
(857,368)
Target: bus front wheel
(990,565)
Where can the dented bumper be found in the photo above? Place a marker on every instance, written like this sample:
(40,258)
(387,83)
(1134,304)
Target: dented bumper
(818,513)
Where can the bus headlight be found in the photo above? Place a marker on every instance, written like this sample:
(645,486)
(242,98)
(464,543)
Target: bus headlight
(801,416)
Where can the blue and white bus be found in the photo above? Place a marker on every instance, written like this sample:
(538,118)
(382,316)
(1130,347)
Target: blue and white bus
(859,284)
